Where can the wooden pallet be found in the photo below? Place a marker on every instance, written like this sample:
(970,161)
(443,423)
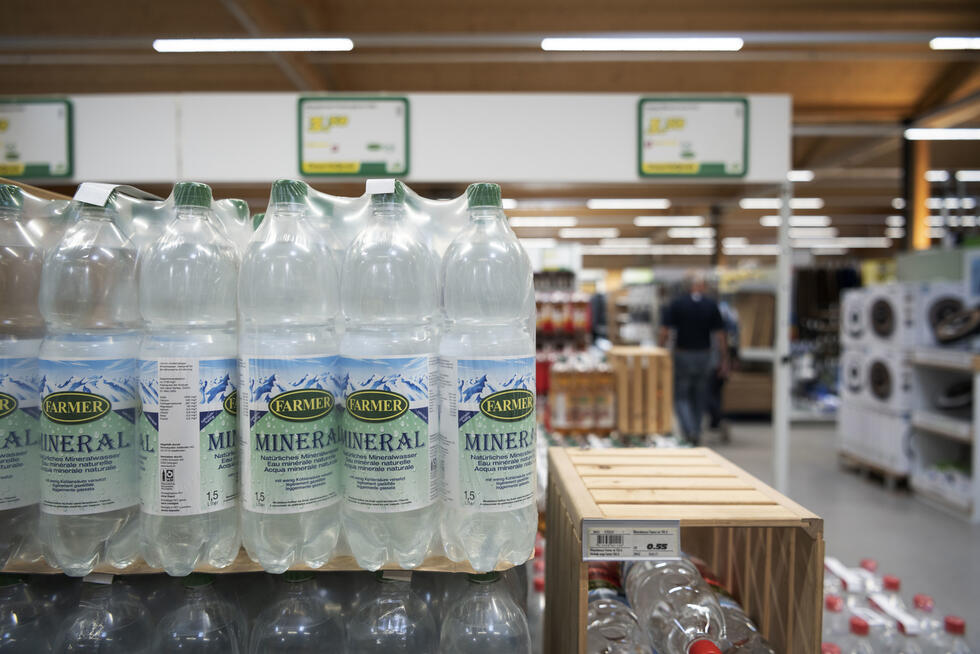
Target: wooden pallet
(855,463)
(644,389)
(760,543)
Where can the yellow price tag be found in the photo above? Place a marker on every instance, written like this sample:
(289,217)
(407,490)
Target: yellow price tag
(335,167)
(11,169)
(672,168)
(324,123)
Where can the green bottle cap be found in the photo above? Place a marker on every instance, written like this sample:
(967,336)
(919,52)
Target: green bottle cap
(289,191)
(483,195)
(295,576)
(198,579)
(10,197)
(485,578)
(257,220)
(192,194)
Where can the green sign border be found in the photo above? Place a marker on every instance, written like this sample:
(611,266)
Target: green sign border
(70,133)
(375,98)
(639,136)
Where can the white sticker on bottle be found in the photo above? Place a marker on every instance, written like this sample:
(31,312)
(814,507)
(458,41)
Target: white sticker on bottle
(488,432)
(389,428)
(188,435)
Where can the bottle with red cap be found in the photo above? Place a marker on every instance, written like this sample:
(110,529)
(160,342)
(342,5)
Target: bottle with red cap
(835,618)
(952,640)
(902,640)
(858,641)
(924,610)
(829,648)
(892,588)
(611,625)
(867,571)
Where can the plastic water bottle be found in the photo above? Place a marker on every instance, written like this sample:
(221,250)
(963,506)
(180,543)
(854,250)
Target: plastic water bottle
(202,622)
(835,618)
(611,625)
(485,620)
(741,634)
(23,618)
(676,605)
(89,511)
(389,422)
(924,610)
(21,329)
(535,614)
(188,379)
(952,640)
(288,299)
(829,648)
(392,619)
(858,640)
(298,621)
(488,391)
(901,641)
(109,619)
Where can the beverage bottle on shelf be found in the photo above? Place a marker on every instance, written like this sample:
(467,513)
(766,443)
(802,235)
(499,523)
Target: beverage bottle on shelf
(288,300)
(188,436)
(676,605)
(390,386)
(535,614)
(611,625)
(924,610)
(892,587)
(87,364)
(109,619)
(202,622)
(835,618)
(21,329)
(900,641)
(485,619)
(741,634)
(298,622)
(858,640)
(391,619)
(952,640)
(24,617)
(829,648)
(488,391)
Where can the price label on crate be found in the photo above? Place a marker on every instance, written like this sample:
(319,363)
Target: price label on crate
(630,540)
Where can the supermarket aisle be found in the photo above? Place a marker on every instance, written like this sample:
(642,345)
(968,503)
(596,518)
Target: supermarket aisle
(930,551)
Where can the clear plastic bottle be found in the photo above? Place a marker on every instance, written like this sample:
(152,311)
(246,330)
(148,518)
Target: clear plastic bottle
(952,640)
(535,614)
(21,329)
(89,500)
(389,297)
(676,605)
(741,634)
(298,622)
(835,618)
(188,435)
(486,619)
(611,626)
(858,640)
(901,641)
(288,299)
(24,617)
(202,622)
(391,619)
(924,610)
(109,619)
(488,391)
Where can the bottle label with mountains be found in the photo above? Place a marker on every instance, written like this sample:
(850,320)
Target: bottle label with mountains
(188,435)
(489,432)
(290,435)
(88,453)
(388,429)
(19,435)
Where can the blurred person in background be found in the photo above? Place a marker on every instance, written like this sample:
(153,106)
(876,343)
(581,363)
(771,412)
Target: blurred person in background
(716,419)
(695,320)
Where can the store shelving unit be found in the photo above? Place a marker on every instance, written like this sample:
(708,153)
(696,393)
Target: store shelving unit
(942,434)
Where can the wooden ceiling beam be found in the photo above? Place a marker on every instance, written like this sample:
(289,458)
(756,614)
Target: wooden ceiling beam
(945,86)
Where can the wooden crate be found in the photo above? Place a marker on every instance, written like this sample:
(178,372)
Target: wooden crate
(747,392)
(644,389)
(765,547)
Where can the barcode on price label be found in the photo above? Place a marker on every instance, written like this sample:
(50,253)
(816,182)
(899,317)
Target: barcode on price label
(630,540)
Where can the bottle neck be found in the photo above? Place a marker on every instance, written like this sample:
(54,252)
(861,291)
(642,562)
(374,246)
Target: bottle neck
(485,215)
(193,213)
(9,214)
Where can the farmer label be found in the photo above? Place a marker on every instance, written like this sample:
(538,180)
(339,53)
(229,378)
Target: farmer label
(489,432)
(290,436)
(388,430)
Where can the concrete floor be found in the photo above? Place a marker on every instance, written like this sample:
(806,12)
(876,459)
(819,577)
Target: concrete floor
(930,551)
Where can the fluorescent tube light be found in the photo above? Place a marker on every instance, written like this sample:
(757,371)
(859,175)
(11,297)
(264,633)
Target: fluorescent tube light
(951,203)
(937,176)
(895,232)
(753,249)
(628,203)
(800,175)
(706,243)
(968,175)
(774,203)
(898,204)
(812,232)
(734,241)
(538,242)
(830,252)
(955,43)
(543,221)
(852,242)
(668,221)
(624,242)
(796,221)
(943,133)
(936,221)
(937,232)
(588,232)
(642,44)
(254,45)
(895,221)
(691,232)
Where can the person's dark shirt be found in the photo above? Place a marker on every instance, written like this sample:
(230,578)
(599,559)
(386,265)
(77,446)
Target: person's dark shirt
(693,320)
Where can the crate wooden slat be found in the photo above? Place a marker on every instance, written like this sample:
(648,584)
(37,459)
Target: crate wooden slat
(644,389)
(764,546)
